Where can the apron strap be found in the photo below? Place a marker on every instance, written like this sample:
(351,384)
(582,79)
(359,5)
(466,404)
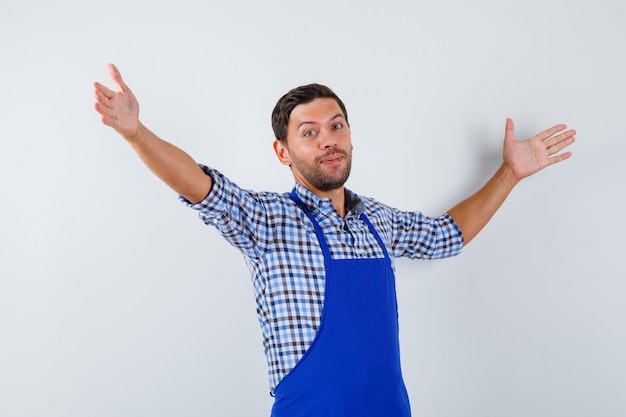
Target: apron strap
(376,235)
(318,229)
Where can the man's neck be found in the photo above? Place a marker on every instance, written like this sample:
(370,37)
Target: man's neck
(337,196)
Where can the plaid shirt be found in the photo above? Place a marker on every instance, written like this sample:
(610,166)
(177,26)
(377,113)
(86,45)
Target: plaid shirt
(283,253)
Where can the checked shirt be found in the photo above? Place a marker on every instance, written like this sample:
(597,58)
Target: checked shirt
(283,253)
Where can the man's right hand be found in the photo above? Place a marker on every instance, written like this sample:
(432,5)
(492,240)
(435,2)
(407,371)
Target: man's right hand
(119,109)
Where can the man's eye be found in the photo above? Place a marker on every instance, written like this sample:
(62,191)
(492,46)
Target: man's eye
(309,133)
(337,126)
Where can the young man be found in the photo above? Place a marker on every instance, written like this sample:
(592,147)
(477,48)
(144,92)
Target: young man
(320,256)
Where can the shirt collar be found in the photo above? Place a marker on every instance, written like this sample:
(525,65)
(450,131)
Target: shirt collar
(313,203)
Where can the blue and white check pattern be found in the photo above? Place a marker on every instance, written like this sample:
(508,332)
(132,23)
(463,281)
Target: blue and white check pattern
(283,253)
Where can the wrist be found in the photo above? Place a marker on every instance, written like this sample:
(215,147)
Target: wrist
(506,175)
(135,136)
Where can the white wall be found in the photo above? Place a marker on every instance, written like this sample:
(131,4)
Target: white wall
(115,300)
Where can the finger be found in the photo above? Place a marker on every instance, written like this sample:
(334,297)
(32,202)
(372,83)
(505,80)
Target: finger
(509,130)
(546,134)
(103,90)
(115,75)
(558,158)
(104,110)
(102,99)
(108,120)
(565,137)
(560,142)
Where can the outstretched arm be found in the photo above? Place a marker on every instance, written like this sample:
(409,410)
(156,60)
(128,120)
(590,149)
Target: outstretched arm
(120,110)
(520,160)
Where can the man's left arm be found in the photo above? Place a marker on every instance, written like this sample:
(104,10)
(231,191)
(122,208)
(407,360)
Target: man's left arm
(520,160)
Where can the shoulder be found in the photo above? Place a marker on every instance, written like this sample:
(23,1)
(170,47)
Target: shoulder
(227,196)
(370,206)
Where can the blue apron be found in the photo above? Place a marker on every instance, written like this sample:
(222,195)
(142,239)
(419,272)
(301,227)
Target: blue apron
(352,368)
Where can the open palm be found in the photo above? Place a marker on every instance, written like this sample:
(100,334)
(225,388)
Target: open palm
(526,157)
(119,109)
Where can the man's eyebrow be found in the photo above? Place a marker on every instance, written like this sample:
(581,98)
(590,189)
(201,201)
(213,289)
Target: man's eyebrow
(338,115)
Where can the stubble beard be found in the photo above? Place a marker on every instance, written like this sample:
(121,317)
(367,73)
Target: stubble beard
(314,174)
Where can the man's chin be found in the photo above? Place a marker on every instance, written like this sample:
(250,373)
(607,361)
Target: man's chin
(330,184)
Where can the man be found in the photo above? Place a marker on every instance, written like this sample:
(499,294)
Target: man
(320,256)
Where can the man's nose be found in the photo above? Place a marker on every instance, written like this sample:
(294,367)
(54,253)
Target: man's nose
(327,139)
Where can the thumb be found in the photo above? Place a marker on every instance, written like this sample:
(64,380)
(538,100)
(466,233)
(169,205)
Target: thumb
(509,131)
(115,75)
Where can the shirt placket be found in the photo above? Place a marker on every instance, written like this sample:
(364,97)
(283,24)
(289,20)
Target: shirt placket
(352,226)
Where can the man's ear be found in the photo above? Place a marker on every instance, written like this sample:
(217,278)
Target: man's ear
(282,152)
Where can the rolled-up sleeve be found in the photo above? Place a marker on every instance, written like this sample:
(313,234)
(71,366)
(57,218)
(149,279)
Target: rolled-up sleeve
(422,237)
(216,202)
(236,213)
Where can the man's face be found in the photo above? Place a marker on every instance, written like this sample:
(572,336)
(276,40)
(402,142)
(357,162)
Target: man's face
(319,145)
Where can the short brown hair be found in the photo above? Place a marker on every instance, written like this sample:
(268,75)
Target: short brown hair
(299,95)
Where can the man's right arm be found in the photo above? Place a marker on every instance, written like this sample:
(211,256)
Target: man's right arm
(120,110)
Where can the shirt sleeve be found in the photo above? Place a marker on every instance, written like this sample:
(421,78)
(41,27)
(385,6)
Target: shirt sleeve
(237,214)
(417,236)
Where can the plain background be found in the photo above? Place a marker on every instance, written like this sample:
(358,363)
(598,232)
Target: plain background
(115,300)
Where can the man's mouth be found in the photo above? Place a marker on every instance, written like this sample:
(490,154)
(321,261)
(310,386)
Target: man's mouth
(333,158)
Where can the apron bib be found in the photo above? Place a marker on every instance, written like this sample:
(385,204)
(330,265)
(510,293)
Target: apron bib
(352,368)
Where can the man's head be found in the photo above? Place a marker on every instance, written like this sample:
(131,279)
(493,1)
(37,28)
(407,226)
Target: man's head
(299,95)
(313,137)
